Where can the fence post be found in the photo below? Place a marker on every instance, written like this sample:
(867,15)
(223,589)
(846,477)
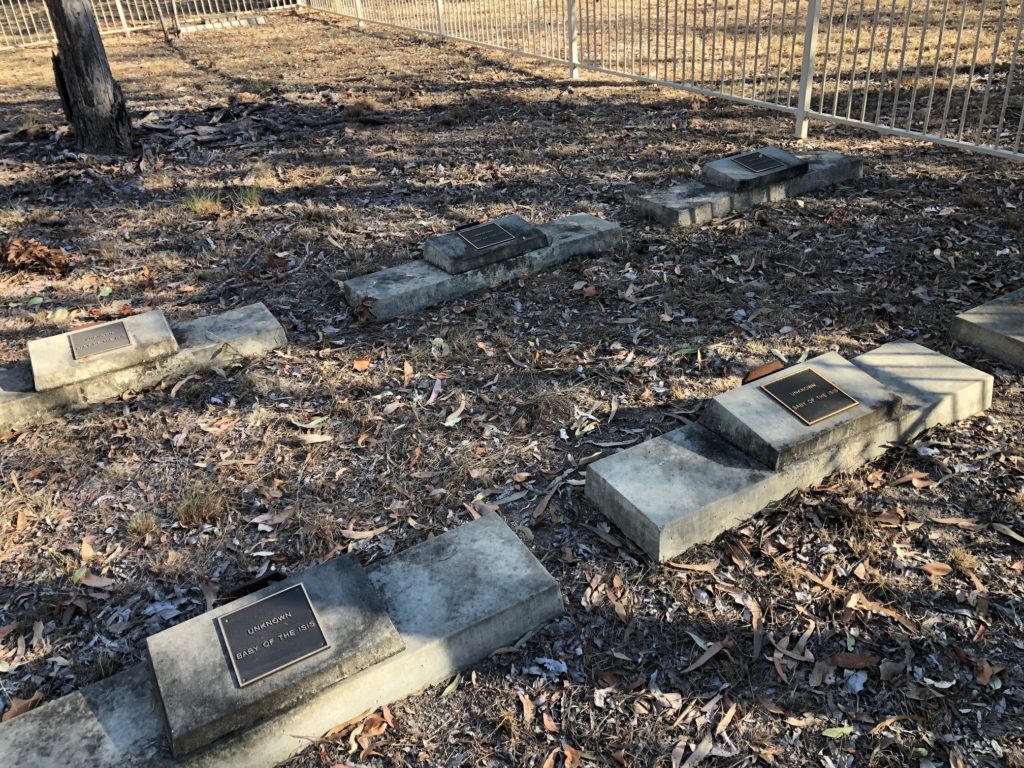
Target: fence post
(124,24)
(571,7)
(440,18)
(359,14)
(174,17)
(803,102)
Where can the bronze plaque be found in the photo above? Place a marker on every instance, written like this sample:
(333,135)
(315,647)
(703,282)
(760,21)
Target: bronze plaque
(809,396)
(758,162)
(96,341)
(271,634)
(486,235)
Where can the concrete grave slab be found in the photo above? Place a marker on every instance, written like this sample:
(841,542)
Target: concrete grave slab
(453,599)
(482,244)
(697,202)
(935,389)
(219,340)
(996,327)
(733,173)
(751,420)
(78,355)
(689,485)
(689,204)
(682,487)
(189,657)
(411,286)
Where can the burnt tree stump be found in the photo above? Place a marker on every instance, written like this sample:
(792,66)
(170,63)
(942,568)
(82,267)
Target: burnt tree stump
(91,98)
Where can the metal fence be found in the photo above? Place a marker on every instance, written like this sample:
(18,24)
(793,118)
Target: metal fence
(947,71)
(24,23)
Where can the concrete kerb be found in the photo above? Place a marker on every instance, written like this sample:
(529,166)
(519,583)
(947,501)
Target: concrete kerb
(414,285)
(453,599)
(217,340)
(688,486)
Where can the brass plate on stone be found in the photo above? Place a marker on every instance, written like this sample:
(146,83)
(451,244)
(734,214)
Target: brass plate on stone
(96,341)
(758,162)
(486,235)
(273,633)
(810,396)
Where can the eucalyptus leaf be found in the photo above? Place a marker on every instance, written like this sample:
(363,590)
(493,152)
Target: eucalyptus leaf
(838,733)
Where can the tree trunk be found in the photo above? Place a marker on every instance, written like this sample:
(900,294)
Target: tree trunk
(92,100)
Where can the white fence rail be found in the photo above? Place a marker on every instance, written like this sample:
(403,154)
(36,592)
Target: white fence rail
(947,71)
(25,23)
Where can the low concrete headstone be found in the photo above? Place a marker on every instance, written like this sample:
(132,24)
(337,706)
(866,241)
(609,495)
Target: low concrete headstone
(85,354)
(750,170)
(453,600)
(215,340)
(699,201)
(687,486)
(790,415)
(413,285)
(996,327)
(244,662)
(478,245)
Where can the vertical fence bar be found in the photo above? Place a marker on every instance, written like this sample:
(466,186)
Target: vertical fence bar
(572,38)
(970,73)
(803,104)
(359,14)
(124,24)
(989,82)
(49,23)
(439,6)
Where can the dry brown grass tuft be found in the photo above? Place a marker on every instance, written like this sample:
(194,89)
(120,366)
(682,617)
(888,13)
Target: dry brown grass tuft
(142,524)
(964,561)
(199,505)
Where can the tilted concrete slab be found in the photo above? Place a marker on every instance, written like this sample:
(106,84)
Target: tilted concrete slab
(688,486)
(410,287)
(996,327)
(697,202)
(454,252)
(729,174)
(453,599)
(217,340)
(54,365)
(188,658)
(749,418)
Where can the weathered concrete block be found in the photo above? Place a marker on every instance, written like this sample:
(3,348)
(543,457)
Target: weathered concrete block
(680,488)
(189,658)
(409,287)
(729,173)
(483,244)
(697,202)
(690,204)
(749,418)
(935,389)
(54,363)
(216,340)
(688,486)
(996,327)
(453,599)
(825,169)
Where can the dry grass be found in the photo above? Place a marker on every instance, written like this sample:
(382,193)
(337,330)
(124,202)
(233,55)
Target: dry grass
(199,505)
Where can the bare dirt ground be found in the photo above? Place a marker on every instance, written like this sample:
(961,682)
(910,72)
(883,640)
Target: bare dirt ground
(277,160)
